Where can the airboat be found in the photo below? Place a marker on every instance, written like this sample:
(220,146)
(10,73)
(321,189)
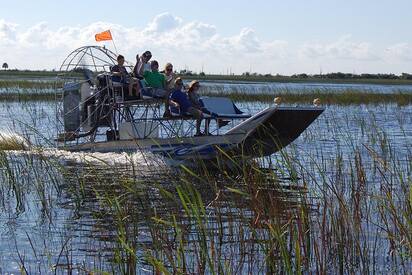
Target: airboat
(93,115)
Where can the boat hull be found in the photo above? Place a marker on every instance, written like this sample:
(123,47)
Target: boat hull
(203,147)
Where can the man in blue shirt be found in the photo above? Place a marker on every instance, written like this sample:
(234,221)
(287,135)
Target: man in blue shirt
(179,99)
(120,74)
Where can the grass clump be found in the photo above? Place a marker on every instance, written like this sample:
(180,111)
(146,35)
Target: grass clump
(12,142)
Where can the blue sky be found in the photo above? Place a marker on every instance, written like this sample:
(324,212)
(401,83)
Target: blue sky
(268,36)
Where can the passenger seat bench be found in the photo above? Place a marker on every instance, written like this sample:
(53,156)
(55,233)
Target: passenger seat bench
(223,107)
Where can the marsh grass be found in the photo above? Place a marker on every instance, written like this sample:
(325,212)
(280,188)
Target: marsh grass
(341,208)
(25,95)
(285,79)
(347,97)
(26,90)
(27,84)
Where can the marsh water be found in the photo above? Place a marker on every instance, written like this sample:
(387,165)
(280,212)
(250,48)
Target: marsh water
(337,200)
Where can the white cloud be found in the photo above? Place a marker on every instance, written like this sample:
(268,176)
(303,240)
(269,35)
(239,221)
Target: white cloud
(277,49)
(37,35)
(343,48)
(246,41)
(162,23)
(196,45)
(400,52)
(193,44)
(7,32)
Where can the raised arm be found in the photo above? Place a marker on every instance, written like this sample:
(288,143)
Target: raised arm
(140,68)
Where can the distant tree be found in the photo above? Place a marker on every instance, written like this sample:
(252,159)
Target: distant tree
(186,72)
(5,66)
(406,76)
(202,74)
(302,75)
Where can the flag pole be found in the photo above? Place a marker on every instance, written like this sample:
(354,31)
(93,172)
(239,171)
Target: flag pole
(117,52)
(114,44)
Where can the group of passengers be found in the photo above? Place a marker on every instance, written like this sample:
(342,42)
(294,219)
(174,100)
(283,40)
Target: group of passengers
(163,84)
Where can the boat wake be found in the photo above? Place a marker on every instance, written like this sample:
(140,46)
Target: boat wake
(138,161)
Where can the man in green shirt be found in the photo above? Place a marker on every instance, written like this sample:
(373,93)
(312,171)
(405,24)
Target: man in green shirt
(157,82)
(153,78)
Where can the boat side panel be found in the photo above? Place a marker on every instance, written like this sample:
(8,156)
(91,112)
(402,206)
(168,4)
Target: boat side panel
(177,146)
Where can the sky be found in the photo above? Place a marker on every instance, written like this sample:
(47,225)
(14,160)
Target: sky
(277,37)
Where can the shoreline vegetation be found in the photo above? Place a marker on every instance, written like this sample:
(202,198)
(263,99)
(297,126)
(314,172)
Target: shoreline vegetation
(379,79)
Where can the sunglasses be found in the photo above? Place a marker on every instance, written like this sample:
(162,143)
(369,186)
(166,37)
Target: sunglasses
(169,68)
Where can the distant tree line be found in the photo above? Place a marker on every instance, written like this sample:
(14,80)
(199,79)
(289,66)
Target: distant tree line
(337,75)
(340,75)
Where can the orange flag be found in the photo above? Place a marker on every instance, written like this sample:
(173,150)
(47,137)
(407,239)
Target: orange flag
(106,35)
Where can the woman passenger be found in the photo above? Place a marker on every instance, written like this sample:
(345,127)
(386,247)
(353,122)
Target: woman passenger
(170,76)
(195,100)
(193,95)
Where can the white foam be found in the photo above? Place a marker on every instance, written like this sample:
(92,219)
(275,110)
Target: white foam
(138,160)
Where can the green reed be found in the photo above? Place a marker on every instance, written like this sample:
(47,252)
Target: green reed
(27,84)
(347,97)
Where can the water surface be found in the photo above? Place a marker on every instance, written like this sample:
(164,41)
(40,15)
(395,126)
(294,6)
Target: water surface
(83,212)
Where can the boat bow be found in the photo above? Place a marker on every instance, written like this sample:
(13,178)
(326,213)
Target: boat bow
(274,128)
